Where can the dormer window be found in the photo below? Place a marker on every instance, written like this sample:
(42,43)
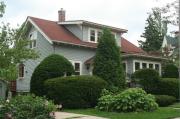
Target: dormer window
(95,34)
(99,35)
(92,35)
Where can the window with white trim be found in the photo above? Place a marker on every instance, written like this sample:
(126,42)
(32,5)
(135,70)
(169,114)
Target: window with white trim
(144,65)
(157,67)
(92,35)
(33,38)
(77,67)
(151,66)
(95,34)
(21,70)
(137,66)
(99,35)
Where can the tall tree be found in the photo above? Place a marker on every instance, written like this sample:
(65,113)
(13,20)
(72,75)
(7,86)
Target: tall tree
(107,62)
(154,33)
(170,12)
(13,49)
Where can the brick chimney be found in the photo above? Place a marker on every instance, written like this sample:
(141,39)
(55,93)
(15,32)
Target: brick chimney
(61,15)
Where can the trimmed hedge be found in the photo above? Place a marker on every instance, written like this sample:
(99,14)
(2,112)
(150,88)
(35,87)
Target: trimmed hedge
(168,86)
(148,79)
(165,100)
(75,91)
(170,71)
(51,67)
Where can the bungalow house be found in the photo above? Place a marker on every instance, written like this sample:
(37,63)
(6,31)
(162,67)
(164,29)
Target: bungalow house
(77,41)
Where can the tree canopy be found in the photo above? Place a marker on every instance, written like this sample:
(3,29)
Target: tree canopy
(13,48)
(154,32)
(107,62)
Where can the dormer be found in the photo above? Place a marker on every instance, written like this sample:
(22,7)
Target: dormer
(88,31)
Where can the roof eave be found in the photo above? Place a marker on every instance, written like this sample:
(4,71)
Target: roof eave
(92,24)
(143,56)
(80,45)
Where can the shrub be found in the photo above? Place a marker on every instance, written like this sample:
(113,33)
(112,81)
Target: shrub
(105,103)
(75,91)
(51,67)
(28,107)
(148,79)
(133,99)
(165,100)
(168,86)
(170,71)
(107,62)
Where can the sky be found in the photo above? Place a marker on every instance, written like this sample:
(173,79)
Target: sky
(126,14)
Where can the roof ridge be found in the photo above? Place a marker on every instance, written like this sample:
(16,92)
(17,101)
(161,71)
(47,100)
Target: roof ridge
(41,19)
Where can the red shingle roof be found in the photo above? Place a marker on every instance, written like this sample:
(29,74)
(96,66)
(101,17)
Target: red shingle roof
(58,33)
(128,47)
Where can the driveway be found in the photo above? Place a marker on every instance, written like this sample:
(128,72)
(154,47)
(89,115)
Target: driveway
(65,115)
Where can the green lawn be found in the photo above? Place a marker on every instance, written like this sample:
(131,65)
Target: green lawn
(161,113)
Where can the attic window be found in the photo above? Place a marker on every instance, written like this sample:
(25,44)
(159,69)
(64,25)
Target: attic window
(33,37)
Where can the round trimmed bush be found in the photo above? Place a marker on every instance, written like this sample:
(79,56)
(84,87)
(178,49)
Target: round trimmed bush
(148,79)
(165,100)
(130,100)
(75,91)
(170,71)
(168,86)
(51,67)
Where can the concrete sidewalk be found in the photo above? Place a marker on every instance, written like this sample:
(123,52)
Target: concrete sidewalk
(65,115)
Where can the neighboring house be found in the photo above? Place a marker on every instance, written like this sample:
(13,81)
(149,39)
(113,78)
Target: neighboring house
(77,41)
(170,46)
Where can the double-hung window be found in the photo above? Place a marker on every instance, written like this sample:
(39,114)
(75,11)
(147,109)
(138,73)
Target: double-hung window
(144,65)
(157,67)
(99,33)
(21,70)
(33,38)
(93,35)
(137,66)
(77,67)
(151,66)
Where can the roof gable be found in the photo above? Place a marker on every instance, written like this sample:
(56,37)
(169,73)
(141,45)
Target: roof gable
(57,33)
